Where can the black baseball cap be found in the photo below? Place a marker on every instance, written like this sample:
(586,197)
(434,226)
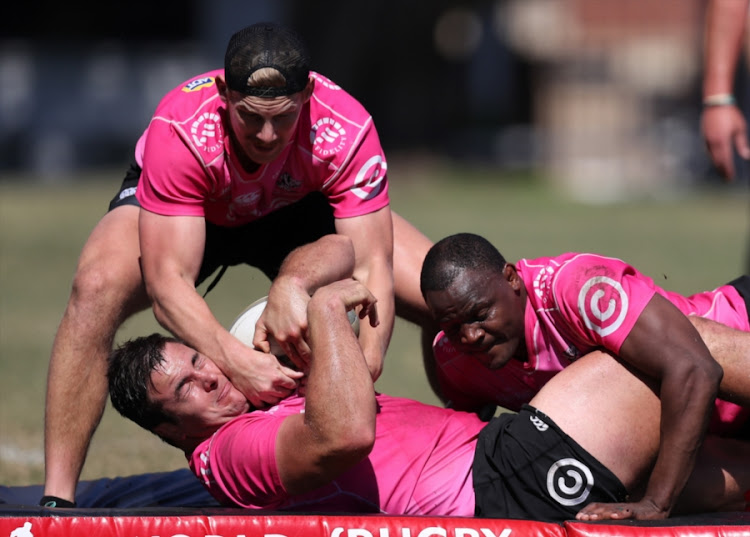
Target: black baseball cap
(266,44)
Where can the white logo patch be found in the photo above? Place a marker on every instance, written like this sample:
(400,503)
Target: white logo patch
(603,319)
(542,285)
(128,192)
(206,132)
(569,482)
(538,423)
(328,136)
(369,180)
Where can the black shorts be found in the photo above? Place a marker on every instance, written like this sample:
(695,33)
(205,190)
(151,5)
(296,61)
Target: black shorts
(264,243)
(526,467)
(742,284)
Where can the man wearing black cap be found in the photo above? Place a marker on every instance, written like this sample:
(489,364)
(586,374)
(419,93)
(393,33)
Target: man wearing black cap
(237,166)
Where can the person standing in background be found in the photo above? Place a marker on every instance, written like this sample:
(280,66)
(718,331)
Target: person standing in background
(723,125)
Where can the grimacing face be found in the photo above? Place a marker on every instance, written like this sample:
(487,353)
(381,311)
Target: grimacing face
(482,314)
(262,127)
(192,389)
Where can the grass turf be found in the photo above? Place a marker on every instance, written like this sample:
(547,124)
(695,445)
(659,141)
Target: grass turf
(688,243)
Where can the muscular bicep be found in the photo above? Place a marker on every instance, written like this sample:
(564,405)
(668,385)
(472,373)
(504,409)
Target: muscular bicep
(304,464)
(170,245)
(663,339)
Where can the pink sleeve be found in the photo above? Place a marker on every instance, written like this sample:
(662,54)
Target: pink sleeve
(600,299)
(173,181)
(362,180)
(242,461)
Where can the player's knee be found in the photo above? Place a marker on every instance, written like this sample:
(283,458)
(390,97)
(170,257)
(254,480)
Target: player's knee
(104,281)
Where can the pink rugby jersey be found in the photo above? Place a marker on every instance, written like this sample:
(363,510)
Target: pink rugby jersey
(578,303)
(420,470)
(190,168)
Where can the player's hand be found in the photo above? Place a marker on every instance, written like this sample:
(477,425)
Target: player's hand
(353,295)
(724,129)
(264,380)
(284,322)
(643,510)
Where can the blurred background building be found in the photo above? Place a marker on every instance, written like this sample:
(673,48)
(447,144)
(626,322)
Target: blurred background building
(602,97)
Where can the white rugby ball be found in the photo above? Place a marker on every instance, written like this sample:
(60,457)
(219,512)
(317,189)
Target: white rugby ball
(243,327)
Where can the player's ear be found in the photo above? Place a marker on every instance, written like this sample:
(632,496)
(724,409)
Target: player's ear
(221,87)
(511,276)
(308,91)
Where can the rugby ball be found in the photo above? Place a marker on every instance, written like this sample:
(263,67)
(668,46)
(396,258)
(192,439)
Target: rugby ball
(243,327)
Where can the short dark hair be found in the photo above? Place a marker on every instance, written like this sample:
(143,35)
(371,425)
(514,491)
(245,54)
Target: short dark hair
(450,256)
(129,369)
(266,45)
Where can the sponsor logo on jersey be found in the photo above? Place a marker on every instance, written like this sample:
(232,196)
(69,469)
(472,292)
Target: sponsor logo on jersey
(369,180)
(288,183)
(542,285)
(569,482)
(603,305)
(206,132)
(328,137)
(198,84)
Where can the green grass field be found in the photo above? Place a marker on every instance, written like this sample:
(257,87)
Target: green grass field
(687,244)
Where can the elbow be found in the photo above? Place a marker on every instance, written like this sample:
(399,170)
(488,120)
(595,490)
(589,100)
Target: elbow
(715,374)
(706,379)
(352,446)
(359,442)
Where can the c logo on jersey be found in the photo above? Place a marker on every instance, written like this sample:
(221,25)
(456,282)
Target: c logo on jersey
(206,132)
(198,84)
(328,137)
(369,180)
(603,305)
(569,482)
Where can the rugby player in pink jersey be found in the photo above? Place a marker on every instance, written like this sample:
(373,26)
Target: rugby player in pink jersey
(342,447)
(237,166)
(507,329)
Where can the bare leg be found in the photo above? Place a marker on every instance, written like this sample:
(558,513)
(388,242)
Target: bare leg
(107,289)
(601,382)
(731,348)
(410,247)
(615,416)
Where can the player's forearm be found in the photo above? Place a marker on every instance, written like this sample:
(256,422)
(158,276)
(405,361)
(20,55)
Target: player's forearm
(375,341)
(180,309)
(687,402)
(303,267)
(344,417)
(725,26)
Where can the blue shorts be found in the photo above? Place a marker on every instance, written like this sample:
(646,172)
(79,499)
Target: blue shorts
(526,467)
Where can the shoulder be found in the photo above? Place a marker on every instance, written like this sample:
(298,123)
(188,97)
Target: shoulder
(190,94)
(562,278)
(331,100)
